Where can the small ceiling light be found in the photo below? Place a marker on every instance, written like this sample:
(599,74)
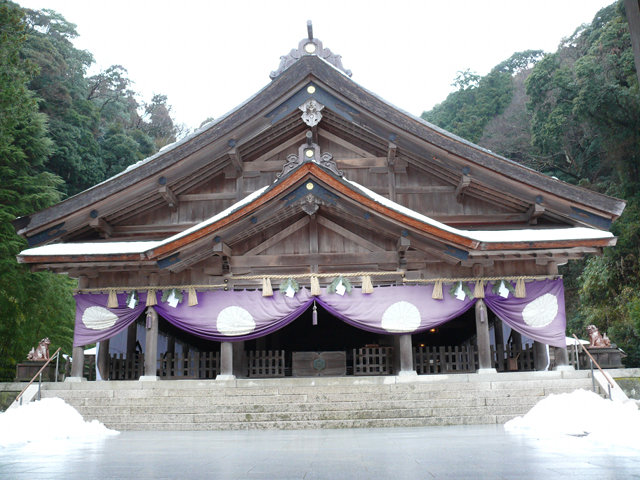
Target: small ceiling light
(311,89)
(433,330)
(308,153)
(310,47)
(309,186)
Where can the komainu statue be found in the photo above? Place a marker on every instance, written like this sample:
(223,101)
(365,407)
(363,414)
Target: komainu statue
(597,340)
(41,352)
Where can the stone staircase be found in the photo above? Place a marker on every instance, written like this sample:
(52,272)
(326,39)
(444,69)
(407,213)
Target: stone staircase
(304,403)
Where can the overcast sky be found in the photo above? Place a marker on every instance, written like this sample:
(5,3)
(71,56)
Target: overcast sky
(209,56)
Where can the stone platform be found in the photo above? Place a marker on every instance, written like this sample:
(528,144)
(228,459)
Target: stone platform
(308,403)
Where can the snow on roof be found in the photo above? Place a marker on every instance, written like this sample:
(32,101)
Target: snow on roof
(584,415)
(97,248)
(51,419)
(489,236)
(225,213)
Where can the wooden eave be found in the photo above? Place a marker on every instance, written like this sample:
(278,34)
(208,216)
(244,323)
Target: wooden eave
(369,113)
(311,171)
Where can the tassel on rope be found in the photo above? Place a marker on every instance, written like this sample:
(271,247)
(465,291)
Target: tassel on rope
(314,315)
(267,289)
(193,297)
(315,288)
(151,297)
(478,291)
(521,290)
(437,291)
(367,285)
(112,302)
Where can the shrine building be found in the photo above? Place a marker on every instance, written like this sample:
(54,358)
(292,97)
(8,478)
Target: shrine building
(315,230)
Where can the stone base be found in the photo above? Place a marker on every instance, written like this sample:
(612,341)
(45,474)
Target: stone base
(26,370)
(408,373)
(484,371)
(75,379)
(148,378)
(225,377)
(608,357)
(563,368)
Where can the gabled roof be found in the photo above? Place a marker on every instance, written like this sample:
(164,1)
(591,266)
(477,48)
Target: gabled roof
(464,240)
(353,104)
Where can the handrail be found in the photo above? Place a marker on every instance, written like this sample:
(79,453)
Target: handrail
(55,355)
(593,360)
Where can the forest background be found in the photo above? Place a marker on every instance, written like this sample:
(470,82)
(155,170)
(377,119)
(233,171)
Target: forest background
(573,114)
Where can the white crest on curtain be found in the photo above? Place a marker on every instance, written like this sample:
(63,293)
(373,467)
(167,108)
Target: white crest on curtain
(541,311)
(234,321)
(401,317)
(98,318)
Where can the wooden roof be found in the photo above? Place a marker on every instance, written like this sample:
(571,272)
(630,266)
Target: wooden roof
(238,142)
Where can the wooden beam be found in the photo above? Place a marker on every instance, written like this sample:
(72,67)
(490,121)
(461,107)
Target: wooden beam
(236,159)
(403,244)
(343,143)
(465,181)
(320,259)
(313,234)
(294,227)
(372,247)
(534,212)
(222,249)
(422,189)
(169,197)
(197,197)
(102,227)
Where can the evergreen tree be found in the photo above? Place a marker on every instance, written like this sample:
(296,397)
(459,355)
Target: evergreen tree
(32,305)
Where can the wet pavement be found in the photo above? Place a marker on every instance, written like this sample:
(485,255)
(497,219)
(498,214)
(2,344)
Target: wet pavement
(469,452)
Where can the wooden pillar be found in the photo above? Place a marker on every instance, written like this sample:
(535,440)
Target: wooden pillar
(171,345)
(499,336)
(77,355)
(405,344)
(562,359)
(77,365)
(540,359)
(132,332)
(483,338)
(239,361)
(102,361)
(151,346)
(226,362)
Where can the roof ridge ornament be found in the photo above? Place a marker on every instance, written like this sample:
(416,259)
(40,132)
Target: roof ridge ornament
(309,46)
(309,152)
(311,112)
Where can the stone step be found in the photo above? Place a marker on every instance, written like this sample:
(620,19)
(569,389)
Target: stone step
(292,403)
(297,425)
(158,406)
(116,390)
(356,413)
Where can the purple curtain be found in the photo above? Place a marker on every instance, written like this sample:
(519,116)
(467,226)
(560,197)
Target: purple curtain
(405,309)
(235,315)
(95,322)
(244,315)
(540,315)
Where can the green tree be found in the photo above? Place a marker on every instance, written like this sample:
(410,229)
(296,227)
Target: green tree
(26,187)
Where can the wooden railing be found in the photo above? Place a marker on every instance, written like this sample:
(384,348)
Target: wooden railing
(196,365)
(445,359)
(39,374)
(373,361)
(266,363)
(513,357)
(122,368)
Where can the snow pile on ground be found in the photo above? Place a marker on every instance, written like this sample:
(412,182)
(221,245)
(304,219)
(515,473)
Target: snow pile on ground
(582,414)
(48,420)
